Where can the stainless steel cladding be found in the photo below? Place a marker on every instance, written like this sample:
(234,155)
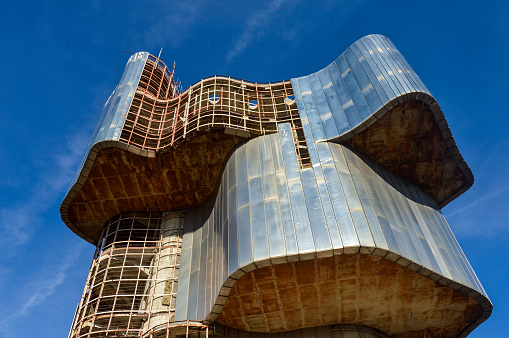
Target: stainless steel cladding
(309,206)
(348,204)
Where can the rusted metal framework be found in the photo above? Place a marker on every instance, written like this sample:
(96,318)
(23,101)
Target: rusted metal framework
(132,284)
(160,117)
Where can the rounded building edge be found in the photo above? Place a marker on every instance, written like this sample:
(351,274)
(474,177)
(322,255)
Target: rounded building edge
(228,285)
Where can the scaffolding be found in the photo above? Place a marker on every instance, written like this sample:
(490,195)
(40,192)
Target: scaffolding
(132,285)
(160,117)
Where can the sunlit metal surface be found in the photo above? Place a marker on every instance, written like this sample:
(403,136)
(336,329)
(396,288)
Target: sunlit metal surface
(302,204)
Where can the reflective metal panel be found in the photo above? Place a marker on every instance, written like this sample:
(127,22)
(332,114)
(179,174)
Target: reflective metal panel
(380,85)
(253,157)
(344,98)
(115,110)
(315,211)
(305,241)
(242,177)
(329,214)
(268,171)
(324,112)
(367,206)
(274,228)
(336,110)
(353,88)
(245,240)
(286,215)
(385,68)
(233,244)
(259,226)
(367,88)
(288,149)
(338,200)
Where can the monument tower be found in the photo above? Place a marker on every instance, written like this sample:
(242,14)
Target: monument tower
(302,208)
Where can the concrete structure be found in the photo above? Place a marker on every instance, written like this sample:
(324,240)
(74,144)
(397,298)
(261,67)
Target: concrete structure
(308,207)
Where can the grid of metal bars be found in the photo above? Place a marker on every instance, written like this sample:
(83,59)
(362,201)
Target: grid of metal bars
(132,284)
(161,117)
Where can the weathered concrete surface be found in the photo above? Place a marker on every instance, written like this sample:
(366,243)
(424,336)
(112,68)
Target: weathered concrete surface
(350,289)
(120,181)
(407,140)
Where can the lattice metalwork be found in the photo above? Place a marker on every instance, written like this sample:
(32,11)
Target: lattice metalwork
(160,117)
(132,284)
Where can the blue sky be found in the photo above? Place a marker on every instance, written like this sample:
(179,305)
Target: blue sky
(60,61)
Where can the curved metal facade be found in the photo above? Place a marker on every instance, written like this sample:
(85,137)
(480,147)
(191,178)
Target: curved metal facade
(267,212)
(115,110)
(347,167)
(359,88)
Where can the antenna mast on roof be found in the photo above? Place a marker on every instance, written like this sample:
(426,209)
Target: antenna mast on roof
(159,55)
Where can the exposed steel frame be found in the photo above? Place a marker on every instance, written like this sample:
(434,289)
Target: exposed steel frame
(126,293)
(160,117)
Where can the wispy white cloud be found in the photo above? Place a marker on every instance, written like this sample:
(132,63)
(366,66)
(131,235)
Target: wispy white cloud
(480,200)
(19,222)
(289,21)
(42,290)
(172,23)
(30,269)
(255,28)
(484,216)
